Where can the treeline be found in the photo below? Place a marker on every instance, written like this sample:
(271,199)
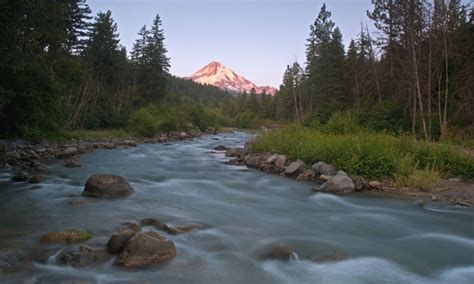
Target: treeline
(61,68)
(414,76)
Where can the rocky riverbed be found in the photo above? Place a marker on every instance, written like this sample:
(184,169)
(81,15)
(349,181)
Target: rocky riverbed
(328,178)
(176,212)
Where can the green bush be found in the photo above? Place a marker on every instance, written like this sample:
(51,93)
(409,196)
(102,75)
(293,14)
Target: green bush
(143,122)
(341,123)
(370,155)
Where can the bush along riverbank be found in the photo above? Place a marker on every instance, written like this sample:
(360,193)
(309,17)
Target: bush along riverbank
(378,164)
(29,157)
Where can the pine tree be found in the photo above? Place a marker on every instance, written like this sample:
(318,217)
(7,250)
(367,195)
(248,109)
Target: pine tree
(78,26)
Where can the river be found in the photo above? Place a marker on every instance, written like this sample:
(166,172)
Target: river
(246,213)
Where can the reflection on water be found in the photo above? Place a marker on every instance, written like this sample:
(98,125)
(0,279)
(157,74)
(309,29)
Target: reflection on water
(245,213)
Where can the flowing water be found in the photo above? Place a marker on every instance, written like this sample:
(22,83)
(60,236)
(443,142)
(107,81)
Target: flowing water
(246,213)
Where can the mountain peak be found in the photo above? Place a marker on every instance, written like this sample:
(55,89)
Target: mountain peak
(216,74)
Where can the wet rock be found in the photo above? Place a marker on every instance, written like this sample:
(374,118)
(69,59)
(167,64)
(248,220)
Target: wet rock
(8,263)
(82,256)
(12,155)
(68,152)
(72,164)
(321,168)
(69,236)
(221,148)
(234,152)
(340,184)
(118,241)
(325,177)
(37,179)
(146,248)
(107,186)
(375,185)
(151,222)
(434,198)
(20,177)
(295,168)
(181,229)
(283,253)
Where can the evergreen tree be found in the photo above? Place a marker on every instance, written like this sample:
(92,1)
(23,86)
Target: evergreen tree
(78,27)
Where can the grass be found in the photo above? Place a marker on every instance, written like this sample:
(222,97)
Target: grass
(370,155)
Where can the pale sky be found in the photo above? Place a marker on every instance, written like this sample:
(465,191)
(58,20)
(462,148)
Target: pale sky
(256,39)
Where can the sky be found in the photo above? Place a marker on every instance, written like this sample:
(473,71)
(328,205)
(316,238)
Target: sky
(256,39)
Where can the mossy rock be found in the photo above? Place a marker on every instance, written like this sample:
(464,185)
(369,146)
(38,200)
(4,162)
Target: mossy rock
(68,236)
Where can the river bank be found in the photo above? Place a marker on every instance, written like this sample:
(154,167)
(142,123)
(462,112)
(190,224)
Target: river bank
(29,157)
(328,178)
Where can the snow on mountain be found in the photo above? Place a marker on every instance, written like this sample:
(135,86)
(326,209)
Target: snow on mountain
(220,76)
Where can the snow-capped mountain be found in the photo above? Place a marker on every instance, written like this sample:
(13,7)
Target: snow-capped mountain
(220,76)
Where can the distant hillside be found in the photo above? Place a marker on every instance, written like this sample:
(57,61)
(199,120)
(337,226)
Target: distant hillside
(203,94)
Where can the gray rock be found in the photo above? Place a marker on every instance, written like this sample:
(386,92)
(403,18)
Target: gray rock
(272,159)
(117,241)
(68,152)
(340,184)
(82,256)
(295,168)
(375,184)
(146,248)
(280,162)
(321,168)
(107,186)
(283,253)
(234,152)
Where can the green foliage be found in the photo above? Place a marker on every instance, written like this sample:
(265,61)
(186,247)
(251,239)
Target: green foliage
(365,154)
(154,119)
(341,123)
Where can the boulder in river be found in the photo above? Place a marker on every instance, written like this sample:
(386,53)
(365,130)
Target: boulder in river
(107,186)
(294,169)
(283,253)
(328,257)
(20,177)
(69,236)
(234,152)
(117,241)
(37,179)
(338,184)
(272,159)
(82,256)
(146,248)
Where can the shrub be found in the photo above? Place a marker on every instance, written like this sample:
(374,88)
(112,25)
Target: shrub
(341,123)
(143,122)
